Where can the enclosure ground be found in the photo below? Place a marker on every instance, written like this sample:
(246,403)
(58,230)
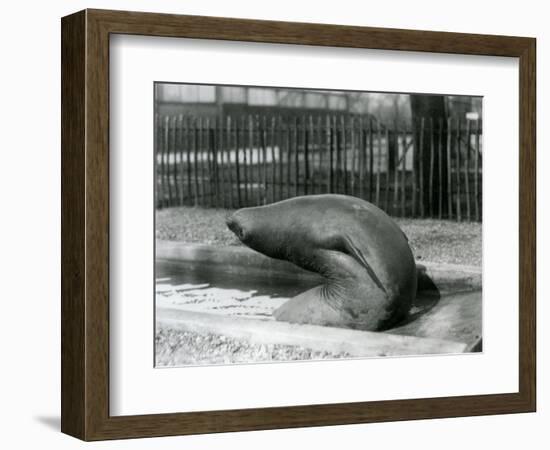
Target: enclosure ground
(175,347)
(439,241)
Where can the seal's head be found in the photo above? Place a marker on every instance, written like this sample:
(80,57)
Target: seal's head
(256,228)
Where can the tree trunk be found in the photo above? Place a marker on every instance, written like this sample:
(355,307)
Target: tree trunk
(431,107)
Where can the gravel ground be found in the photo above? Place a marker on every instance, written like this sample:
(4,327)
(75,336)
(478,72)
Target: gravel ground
(432,240)
(177,348)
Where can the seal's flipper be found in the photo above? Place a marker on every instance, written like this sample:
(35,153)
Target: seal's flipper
(350,298)
(308,307)
(312,307)
(355,252)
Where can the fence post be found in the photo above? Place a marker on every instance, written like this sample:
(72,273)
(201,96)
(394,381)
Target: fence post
(281,148)
(163,162)
(158,151)
(248,141)
(175,162)
(262,142)
(184,147)
(273,159)
(457,168)
(421,168)
(207,160)
(449,183)
(343,124)
(288,156)
(179,161)
(387,177)
(200,160)
(353,153)
(212,172)
(180,167)
(476,168)
(193,138)
(467,172)
(216,171)
(371,160)
(167,159)
(296,156)
(415,163)
(235,139)
(312,159)
(171,161)
(306,154)
(396,172)
(362,157)
(337,152)
(440,168)
(251,172)
(431,180)
(329,153)
(320,148)
(378,162)
(240,132)
(404,172)
(229,149)
(220,161)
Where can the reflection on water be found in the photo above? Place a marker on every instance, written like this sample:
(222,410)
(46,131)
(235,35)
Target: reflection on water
(210,288)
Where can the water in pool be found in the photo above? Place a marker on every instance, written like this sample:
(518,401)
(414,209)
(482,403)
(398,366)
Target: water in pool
(217,289)
(210,288)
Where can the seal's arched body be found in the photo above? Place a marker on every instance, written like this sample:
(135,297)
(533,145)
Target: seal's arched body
(363,255)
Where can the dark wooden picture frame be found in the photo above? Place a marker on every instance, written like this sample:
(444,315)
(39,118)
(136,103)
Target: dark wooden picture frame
(85,224)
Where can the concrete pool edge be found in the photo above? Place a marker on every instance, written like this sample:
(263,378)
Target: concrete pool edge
(319,338)
(242,259)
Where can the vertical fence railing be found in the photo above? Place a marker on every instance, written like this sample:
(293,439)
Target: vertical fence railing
(430,169)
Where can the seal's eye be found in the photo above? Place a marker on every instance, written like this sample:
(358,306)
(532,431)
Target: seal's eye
(241,234)
(235,227)
(238,231)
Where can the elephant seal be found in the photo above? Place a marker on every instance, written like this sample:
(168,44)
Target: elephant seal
(364,257)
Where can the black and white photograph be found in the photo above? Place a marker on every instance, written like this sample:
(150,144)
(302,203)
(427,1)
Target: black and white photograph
(296,224)
(258,226)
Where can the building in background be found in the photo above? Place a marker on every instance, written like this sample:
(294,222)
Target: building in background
(209,100)
(235,100)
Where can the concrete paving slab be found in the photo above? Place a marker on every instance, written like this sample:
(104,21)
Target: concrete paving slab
(334,340)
